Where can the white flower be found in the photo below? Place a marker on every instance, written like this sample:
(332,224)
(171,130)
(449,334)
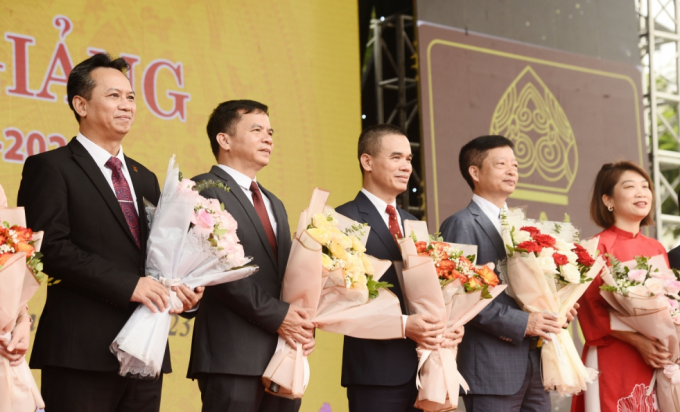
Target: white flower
(571,256)
(571,273)
(521,236)
(562,246)
(655,286)
(547,252)
(639,290)
(547,265)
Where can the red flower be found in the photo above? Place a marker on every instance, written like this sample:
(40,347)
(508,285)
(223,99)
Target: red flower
(560,259)
(583,257)
(530,246)
(23,234)
(421,247)
(530,229)
(544,240)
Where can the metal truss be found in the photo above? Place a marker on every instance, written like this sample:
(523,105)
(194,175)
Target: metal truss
(397,92)
(659,48)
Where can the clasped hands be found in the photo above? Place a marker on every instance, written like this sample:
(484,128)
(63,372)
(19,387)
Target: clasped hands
(542,324)
(154,295)
(430,333)
(16,348)
(297,328)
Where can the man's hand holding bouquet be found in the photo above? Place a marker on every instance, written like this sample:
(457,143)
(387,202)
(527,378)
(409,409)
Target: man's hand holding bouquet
(331,277)
(442,281)
(20,277)
(548,269)
(192,242)
(643,295)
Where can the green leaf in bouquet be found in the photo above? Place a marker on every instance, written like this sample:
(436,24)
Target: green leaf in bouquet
(210,184)
(471,258)
(220,232)
(485,292)
(436,237)
(444,282)
(608,288)
(180,176)
(373,286)
(413,236)
(6,225)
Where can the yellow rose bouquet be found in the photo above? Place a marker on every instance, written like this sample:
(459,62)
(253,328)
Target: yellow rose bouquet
(330,275)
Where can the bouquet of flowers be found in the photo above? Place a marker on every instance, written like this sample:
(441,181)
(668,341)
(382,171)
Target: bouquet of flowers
(330,275)
(20,277)
(441,279)
(192,241)
(643,294)
(548,268)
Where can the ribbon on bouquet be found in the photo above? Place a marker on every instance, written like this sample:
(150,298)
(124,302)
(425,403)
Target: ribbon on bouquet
(452,378)
(169,283)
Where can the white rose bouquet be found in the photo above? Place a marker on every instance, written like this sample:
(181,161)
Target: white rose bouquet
(548,269)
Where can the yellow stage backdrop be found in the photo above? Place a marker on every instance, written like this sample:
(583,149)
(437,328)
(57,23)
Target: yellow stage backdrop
(299,57)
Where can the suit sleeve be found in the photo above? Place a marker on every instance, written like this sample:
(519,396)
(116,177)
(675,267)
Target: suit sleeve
(44,194)
(498,318)
(247,298)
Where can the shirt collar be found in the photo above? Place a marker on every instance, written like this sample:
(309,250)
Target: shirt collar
(241,179)
(99,154)
(489,208)
(379,204)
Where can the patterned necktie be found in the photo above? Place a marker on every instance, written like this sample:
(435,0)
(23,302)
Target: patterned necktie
(264,216)
(124,196)
(395,230)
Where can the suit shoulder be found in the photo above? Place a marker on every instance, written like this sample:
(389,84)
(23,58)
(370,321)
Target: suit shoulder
(349,208)
(462,217)
(407,215)
(203,176)
(52,156)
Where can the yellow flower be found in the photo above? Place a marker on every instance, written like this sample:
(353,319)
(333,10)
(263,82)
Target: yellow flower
(337,250)
(368,266)
(342,239)
(320,221)
(322,236)
(357,245)
(326,261)
(359,282)
(354,265)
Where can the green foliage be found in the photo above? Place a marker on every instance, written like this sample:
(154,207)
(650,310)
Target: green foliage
(373,286)
(210,184)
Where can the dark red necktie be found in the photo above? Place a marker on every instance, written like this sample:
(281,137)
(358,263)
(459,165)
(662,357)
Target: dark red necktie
(124,196)
(395,230)
(264,216)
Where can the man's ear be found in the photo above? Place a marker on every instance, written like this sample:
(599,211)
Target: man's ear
(474,173)
(366,162)
(80,106)
(224,141)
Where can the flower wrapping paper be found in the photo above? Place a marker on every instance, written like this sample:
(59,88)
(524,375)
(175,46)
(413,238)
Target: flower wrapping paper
(331,305)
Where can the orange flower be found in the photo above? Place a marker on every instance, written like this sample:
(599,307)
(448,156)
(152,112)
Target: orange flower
(457,275)
(474,283)
(23,234)
(421,248)
(488,276)
(25,247)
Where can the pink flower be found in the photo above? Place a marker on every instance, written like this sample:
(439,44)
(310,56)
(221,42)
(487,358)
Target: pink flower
(672,286)
(203,222)
(663,274)
(637,275)
(672,304)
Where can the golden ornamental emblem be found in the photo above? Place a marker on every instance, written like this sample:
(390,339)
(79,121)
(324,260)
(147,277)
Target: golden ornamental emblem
(545,147)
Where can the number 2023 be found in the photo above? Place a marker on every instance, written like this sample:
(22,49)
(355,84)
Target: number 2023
(34,143)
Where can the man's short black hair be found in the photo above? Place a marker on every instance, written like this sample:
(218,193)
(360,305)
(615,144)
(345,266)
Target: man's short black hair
(80,81)
(371,138)
(225,117)
(475,151)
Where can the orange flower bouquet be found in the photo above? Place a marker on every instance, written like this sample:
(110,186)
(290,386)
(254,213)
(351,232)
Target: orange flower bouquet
(442,279)
(20,277)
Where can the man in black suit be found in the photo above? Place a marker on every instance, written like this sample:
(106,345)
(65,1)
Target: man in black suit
(88,198)
(238,324)
(380,375)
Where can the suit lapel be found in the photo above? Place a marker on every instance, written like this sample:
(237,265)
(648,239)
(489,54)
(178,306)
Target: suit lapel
(237,192)
(281,221)
(377,224)
(488,227)
(86,162)
(139,193)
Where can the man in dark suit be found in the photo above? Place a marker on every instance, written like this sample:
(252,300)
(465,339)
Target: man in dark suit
(380,375)
(87,197)
(238,324)
(498,357)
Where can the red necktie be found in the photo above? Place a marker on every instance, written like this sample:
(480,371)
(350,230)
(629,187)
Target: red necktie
(124,196)
(264,216)
(395,230)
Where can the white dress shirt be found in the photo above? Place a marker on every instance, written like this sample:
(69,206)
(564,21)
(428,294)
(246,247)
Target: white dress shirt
(100,157)
(381,205)
(491,211)
(244,182)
